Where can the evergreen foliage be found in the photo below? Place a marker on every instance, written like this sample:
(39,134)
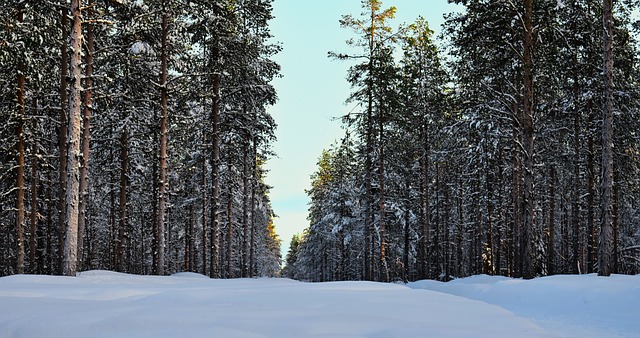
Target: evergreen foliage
(462,181)
(151,87)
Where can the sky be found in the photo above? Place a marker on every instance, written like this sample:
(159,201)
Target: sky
(312,93)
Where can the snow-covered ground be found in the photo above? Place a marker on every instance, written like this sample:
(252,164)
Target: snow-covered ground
(107,304)
(581,306)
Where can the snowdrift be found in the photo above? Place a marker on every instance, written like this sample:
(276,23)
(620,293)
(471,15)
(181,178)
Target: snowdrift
(114,305)
(569,305)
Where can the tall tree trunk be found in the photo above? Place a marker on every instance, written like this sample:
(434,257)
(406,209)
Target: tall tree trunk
(154,198)
(513,256)
(591,191)
(527,136)
(501,225)
(605,263)
(615,220)
(123,201)
(73,143)
(254,179)
(406,228)
(33,263)
(203,186)
(427,210)
(245,205)
(384,269)
(489,259)
(188,240)
(447,229)
(62,136)
(20,255)
(368,166)
(230,231)
(86,138)
(551,251)
(575,206)
(215,170)
(162,179)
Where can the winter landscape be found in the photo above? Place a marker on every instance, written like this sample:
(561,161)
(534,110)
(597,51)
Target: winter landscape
(290,168)
(113,305)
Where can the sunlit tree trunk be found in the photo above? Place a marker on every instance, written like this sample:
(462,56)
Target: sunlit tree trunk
(74,119)
(86,138)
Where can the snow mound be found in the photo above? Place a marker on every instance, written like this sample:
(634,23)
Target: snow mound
(569,305)
(104,304)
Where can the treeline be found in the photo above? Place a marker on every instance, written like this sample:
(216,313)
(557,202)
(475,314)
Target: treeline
(517,153)
(134,134)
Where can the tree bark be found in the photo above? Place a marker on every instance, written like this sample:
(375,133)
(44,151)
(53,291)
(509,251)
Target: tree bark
(33,263)
(254,179)
(591,191)
(20,255)
(384,269)
(551,252)
(527,136)
(203,185)
(86,138)
(62,136)
(215,169)
(605,263)
(245,205)
(123,201)
(162,179)
(73,143)
(230,231)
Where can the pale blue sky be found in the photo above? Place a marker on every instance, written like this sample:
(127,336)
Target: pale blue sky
(313,90)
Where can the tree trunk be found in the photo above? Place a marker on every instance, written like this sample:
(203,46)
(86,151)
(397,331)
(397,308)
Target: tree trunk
(73,144)
(245,205)
(62,136)
(230,232)
(551,252)
(447,229)
(591,191)
(514,257)
(33,263)
(427,210)
(20,255)
(605,263)
(615,220)
(527,136)
(162,179)
(368,166)
(215,171)
(254,179)
(123,201)
(490,267)
(86,138)
(384,269)
(203,185)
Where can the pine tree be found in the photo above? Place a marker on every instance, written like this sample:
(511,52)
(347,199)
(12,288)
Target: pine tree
(73,143)
(605,249)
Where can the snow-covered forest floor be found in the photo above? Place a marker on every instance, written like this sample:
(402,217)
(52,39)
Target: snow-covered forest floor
(108,304)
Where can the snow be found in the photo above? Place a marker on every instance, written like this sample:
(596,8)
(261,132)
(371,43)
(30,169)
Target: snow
(568,305)
(114,305)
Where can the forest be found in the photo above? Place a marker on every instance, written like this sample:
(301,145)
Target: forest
(508,145)
(134,135)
